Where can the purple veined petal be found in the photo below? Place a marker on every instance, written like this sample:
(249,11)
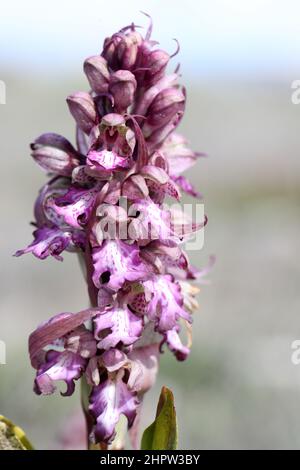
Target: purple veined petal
(83,110)
(175,345)
(43,211)
(149,221)
(158,159)
(54,153)
(81,141)
(113,360)
(143,368)
(158,192)
(65,366)
(166,305)
(171,189)
(47,242)
(75,206)
(111,147)
(81,341)
(147,98)
(199,274)
(57,327)
(97,73)
(158,136)
(107,161)
(135,188)
(117,325)
(122,86)
(166,105)
(165,256)
(155,174)
(179,155)
(183,225)
(187,187)
(115,262)
(154,62)
(80,176)
(108,401)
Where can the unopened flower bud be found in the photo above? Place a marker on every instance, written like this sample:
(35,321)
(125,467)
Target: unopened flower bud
(156,63)
(166,105)
(121,50)
(122,86)
(83,110)
(97,73)
(54,153)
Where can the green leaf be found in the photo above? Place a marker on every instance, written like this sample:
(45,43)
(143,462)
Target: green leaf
(12,437)
(162,433)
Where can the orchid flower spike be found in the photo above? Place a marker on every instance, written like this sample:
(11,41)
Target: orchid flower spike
(105,200)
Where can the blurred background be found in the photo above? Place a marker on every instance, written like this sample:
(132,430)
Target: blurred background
(239,388)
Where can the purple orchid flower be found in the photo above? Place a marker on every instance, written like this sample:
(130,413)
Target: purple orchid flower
(138,275)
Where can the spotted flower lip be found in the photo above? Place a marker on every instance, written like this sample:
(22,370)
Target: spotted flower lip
(111,146)
(65,366)
(108,401)
(106,201)
(124,326)
(75,206)
(115,262)
(163,302)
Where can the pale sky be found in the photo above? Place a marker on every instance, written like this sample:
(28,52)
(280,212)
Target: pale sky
(226,37)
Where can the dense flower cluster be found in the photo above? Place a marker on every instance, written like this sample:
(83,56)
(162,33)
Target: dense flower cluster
(105,200)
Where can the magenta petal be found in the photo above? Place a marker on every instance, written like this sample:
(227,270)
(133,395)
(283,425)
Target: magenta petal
(115,262)
(108,401)
(75,206)
(81,341)
(47,242)
(175,345)
(165,307)
(149,221)
(180,157)
(54,153)
(118,325)
(65,366)
(57,327)
(106,160)
(187,187)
